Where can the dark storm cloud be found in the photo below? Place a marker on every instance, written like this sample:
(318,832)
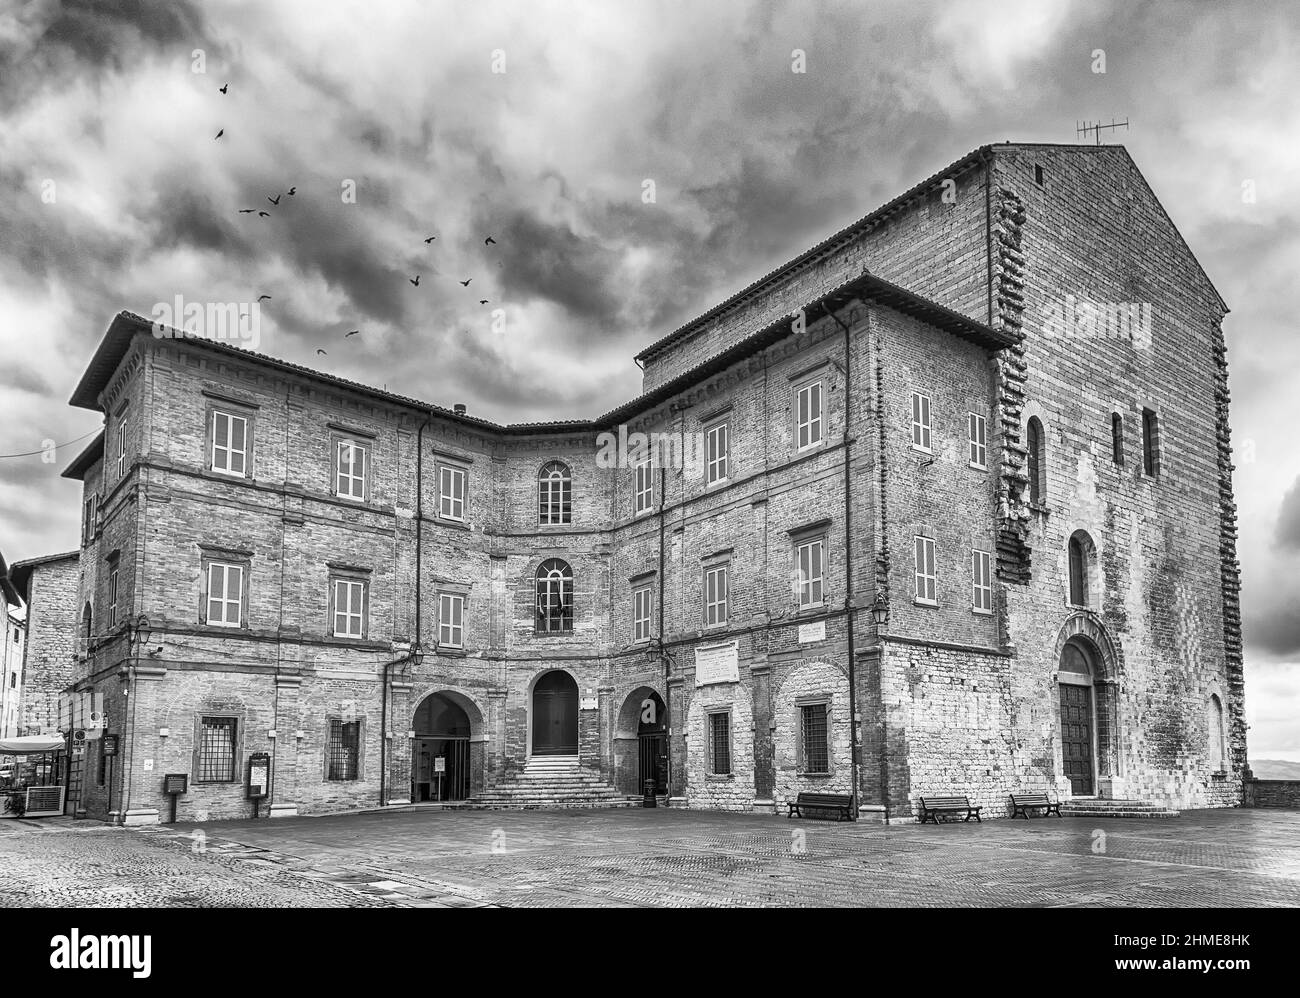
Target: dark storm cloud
(23,379)
(1274,627)
(1288,523)
(113,32)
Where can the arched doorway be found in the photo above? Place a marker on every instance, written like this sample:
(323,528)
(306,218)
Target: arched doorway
(440,765)
(652,743)
(1078,716)
(555,714)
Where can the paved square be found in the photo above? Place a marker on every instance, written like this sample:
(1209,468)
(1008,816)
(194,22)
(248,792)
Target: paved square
(655,858)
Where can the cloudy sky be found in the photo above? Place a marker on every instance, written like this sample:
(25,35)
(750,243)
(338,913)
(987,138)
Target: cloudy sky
(115,194)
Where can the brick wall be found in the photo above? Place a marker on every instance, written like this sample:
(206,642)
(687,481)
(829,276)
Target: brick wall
(48,663)
(1272,793)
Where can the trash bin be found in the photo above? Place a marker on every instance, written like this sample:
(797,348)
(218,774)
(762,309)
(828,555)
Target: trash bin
(648,791)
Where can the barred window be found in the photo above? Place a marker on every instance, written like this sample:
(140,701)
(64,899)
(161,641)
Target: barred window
(815,732)
(921,428)
(344,750)
(720,744)
(555,494)
(216,763)
(554,597)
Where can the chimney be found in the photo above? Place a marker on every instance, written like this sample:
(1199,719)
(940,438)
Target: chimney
(459,408)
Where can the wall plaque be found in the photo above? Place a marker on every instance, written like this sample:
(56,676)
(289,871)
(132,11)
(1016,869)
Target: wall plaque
(717,664)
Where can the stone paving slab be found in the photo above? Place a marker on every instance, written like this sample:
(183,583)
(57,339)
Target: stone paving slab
(660,858)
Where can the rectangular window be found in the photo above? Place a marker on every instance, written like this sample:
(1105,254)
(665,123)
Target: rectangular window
(644,487)
(715,453)
(920,421)
(229,443)
(642,603)
(979,455)
(216,762)
(715,596)
(808,401)
(926,581)
(225,594)
(121,447)
(92,510)
(112,595)
(810,556)
(349,608)
(1150,441)
(350,462)
(344,751)
(720,744)
(451,620)
(1117,438)
(981,569)
(451,493)
(815,742)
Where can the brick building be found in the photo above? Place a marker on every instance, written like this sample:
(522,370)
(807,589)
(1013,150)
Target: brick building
(942,505)
(49,587)
(12,643)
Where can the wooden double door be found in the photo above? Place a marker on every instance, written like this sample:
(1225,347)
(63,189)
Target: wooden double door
(555,715)
(1077,738)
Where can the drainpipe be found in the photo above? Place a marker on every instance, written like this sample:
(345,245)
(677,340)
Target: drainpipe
(848,555)
(419,550)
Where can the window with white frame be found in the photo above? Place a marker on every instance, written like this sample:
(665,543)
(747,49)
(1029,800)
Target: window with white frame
(981,570)
(451,492)
(451,620)
(808,420)
(229,443)
(555,494)
(349,608)
(643,486)
(351,460)
(642,606)
(810,565)
(112,593)
(715,595)
(121,445)
(92,511)
(716,449)
(225,596)
(926,578)
(921,421)
(979,452)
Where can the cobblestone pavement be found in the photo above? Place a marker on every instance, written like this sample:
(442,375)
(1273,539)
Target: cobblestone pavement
(655,858)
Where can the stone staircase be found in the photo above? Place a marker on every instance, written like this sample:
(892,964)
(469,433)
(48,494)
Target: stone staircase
(1086,807)
(551,781)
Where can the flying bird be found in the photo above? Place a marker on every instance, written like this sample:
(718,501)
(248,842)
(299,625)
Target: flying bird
(219,134)
(247,211)
(482,301)
(465,283)
(275,200)
(416,282)
(291,191)
(263,297)
(263,214)
(352,333)
(489,241)
(223,87)
(321,353)
(430,239)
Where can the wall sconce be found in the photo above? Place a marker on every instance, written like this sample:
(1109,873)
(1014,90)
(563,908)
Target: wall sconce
(880,610)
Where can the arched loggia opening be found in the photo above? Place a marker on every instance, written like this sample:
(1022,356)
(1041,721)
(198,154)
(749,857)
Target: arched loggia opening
(641,742)
(440,764)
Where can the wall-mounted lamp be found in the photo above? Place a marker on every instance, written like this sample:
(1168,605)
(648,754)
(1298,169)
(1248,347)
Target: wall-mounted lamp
(880,610)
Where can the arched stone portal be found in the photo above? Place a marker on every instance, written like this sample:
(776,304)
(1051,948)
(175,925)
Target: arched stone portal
(641,742)
(1089,672)
(555,714)
(443,757)
(1078,718)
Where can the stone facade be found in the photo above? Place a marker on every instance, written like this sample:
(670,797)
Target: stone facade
(947,695)
(49,587)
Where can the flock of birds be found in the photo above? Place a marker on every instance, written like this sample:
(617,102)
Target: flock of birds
(275,202)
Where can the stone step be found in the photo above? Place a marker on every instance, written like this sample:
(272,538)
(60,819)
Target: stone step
(1084,813)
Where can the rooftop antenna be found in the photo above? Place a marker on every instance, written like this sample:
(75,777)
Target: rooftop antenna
(1096,127)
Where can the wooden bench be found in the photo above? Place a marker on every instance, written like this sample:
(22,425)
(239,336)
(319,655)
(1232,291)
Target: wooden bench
(840,803)
(932,807)
(1019,803)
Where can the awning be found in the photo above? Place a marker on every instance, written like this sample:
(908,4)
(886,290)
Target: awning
(29,744)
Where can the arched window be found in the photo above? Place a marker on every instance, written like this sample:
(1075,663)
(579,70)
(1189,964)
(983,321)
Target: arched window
(1117,438)
(1218,750)
(1036,465)
(554,597)
(1079,556)
(555,494)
